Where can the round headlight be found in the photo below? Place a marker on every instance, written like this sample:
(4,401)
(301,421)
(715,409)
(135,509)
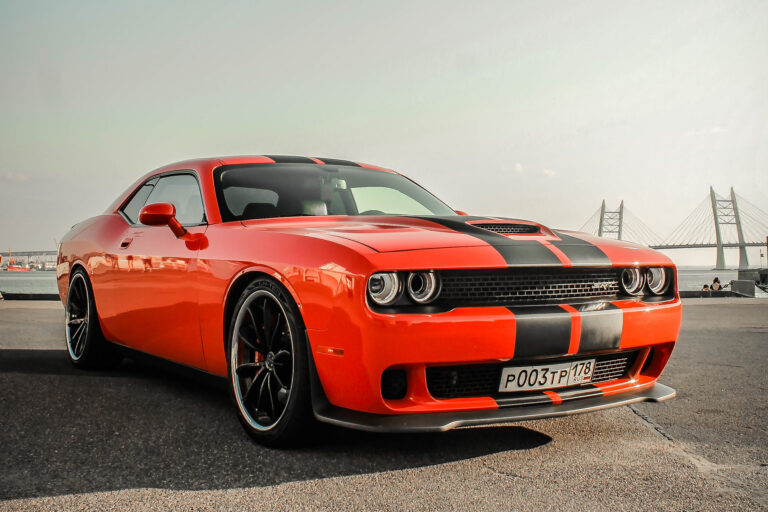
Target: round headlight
(632,281)
(384,287)
(422,287)
(657,279)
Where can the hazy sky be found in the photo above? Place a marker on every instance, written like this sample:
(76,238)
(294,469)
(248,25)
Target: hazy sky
(527,109)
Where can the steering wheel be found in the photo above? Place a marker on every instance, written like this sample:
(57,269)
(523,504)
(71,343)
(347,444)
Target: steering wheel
(372,212)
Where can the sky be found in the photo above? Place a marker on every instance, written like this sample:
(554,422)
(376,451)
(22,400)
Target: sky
(528,109)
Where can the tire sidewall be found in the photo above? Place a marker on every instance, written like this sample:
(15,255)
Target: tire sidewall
(91,327)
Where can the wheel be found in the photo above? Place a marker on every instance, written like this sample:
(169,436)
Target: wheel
(268,364)
(86,345)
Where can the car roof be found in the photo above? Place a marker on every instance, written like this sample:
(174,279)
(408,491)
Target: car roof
(272,159)
(213,162)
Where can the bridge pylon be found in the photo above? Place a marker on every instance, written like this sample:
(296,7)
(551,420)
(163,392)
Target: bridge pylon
(725,212)
(611,222)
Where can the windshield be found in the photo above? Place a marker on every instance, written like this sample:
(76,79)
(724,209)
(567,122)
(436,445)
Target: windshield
(263,191)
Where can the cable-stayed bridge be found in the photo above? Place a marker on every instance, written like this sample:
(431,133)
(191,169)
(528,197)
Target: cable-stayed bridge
(717,222)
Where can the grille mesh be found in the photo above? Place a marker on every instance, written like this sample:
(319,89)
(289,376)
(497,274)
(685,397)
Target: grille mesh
(609,369)
(509,288)
(483,379)
(508,229)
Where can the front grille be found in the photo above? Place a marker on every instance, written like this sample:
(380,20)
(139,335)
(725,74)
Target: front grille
(611,368)
(483,379)
(511,287)
(505,228)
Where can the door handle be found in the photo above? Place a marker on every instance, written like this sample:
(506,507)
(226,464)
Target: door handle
(125,243)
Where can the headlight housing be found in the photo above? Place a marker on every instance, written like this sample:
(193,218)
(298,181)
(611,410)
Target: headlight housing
(423,287)
(384,288)
(657,280)
(632,281)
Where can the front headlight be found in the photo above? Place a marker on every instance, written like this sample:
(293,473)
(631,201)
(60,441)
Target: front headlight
(656,277)
(632,281)
(423,287)
(384,288)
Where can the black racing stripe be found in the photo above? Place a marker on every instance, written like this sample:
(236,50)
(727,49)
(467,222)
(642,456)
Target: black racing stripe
(601,326)
(522,253)
(541,331)
(284,159)
(583,391)
(580,392)
(580,252)
(524,399)
(337,161)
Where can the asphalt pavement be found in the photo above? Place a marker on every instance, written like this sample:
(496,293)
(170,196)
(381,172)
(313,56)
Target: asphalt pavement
(148,437)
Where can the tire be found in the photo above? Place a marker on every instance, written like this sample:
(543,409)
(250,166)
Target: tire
(86,346)
(267,365)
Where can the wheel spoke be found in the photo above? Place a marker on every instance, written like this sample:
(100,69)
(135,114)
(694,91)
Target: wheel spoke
(247,368)
(76,321)
(257,328)
(281,354)
(278,379)
(274,339)
(269,392)
(252,386)
(250,335)
(252,345)
(261,393)
(77,338)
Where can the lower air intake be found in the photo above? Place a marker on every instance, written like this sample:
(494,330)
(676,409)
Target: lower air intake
(483,379)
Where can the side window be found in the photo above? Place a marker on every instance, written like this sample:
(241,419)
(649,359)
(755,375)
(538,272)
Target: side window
(183,192)
(134,206)
(387,200)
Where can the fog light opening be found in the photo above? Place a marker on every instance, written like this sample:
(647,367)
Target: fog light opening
(394,384)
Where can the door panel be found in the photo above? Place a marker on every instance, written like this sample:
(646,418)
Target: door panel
(157,292)
(147,286)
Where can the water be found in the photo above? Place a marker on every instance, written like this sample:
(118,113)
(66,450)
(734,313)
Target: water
(45,282)
(28,282)
(691,279)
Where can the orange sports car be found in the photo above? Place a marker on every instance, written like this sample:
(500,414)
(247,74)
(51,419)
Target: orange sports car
(329,290)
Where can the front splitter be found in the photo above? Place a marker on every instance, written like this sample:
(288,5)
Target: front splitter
(442,421)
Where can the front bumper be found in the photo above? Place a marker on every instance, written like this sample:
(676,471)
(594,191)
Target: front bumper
(358,346)
(442,421)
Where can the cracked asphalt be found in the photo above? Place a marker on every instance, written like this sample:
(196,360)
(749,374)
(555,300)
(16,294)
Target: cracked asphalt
(145,437)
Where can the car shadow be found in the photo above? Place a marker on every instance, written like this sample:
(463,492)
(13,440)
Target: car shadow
(65,431)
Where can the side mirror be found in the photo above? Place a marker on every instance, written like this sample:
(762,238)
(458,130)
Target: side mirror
(465,214)
(162,214)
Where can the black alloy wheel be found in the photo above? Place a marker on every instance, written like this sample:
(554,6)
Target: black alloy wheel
(86,345)
(268,371)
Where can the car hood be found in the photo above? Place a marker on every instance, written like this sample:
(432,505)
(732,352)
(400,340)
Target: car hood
(537,244)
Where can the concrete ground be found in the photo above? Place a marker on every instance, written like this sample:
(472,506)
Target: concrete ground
(144,438)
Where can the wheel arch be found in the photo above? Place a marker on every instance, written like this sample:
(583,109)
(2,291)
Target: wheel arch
(72,269)
(240,282)
(75,266)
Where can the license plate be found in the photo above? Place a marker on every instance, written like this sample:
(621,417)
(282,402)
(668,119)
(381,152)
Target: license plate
(546,376)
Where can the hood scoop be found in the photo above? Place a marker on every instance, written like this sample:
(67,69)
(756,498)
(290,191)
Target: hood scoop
(508,228)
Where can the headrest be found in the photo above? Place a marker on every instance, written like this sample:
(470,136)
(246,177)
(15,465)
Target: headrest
(314,207)
(259,211)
